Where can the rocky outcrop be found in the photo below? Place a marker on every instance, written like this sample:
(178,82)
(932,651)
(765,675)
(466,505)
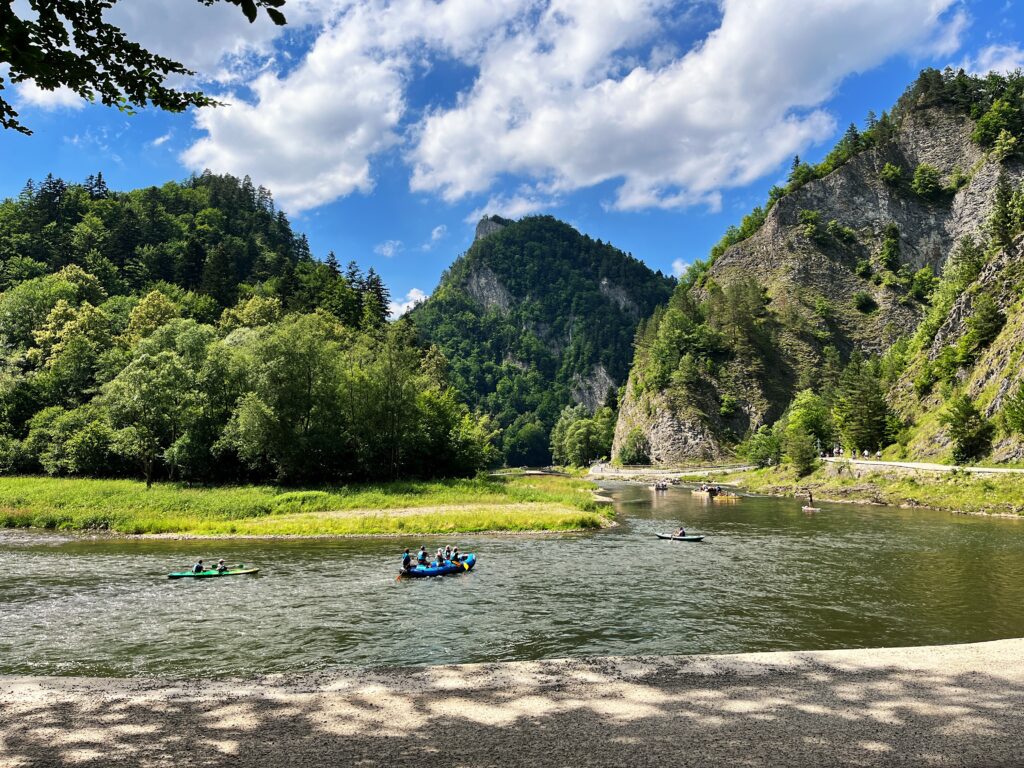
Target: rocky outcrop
(484,287)
(488,225)
(619,295)
(592,390)
(811,281)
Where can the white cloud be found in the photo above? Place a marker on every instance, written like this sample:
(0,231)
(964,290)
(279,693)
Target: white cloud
(513,206)
(60,98)
(388,248)
(159,141)
(551,104)
(569,94)
(436,235)
(412,298)
(996,58)
(679,267)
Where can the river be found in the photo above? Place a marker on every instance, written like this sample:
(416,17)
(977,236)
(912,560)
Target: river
(767,577)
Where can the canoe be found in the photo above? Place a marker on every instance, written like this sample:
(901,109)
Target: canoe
(679,538)
(212,574)
(449,568)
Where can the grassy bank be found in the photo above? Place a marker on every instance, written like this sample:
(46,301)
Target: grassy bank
(508,503)
(953,491)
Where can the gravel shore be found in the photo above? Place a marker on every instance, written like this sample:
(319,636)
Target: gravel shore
(959,705)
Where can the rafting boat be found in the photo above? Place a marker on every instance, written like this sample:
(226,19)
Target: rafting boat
(233,570)
(679,538)
(449,568)
(723,496)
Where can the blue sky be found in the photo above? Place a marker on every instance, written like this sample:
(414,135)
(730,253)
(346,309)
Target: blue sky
(386,127)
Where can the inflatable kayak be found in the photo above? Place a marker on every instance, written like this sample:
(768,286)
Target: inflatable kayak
(679,538)
(449,568)
(234,570)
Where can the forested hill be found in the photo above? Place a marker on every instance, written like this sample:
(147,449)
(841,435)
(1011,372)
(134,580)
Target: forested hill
(874,302)
(536,317)
(185,331)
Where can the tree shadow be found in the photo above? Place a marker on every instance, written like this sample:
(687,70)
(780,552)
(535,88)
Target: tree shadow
(829,708)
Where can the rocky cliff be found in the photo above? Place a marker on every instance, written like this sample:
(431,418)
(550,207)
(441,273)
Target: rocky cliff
(837,260)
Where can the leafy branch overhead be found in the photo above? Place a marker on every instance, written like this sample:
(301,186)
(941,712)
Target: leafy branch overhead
(68,43)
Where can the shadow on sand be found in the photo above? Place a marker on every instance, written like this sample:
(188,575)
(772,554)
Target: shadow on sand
(958,705)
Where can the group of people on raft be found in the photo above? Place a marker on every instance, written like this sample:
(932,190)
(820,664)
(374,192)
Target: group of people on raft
(219,568)
(712,490)
(446,554)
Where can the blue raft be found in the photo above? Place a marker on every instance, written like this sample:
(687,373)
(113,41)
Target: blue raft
(449,568)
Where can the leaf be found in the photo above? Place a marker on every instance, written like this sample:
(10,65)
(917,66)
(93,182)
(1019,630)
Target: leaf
(249,9)
(277,17)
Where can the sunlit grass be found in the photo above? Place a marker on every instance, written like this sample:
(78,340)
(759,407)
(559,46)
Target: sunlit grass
(513,503)
(953,491)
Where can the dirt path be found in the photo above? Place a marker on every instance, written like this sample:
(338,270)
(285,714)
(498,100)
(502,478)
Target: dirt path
(923,465)
(939,706)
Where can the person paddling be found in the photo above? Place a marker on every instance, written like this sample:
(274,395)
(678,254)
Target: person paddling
(422,557)
(681,531)
(407,561)
(198,567)
(455,558)
(221,566)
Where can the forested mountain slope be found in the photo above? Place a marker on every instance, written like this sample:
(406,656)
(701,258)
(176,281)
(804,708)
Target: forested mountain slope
(534,317)
(186,332)
(843,263)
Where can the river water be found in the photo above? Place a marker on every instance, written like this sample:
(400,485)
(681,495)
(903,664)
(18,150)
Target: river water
(767,577)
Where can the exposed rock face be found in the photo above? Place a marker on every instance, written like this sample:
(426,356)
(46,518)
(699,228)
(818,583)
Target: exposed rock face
(798,271)
(486,289)
(488,225)
(618,294)
(593,390)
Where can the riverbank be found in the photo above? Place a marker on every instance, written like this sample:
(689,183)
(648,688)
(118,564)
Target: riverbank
(958,492)
(957,705)
(512,503)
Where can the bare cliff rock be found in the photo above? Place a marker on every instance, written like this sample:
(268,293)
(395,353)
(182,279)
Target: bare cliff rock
(810,278)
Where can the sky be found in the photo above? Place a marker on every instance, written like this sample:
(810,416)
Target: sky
(386,128)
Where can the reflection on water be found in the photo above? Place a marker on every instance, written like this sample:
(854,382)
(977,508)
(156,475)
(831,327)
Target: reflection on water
(767,577)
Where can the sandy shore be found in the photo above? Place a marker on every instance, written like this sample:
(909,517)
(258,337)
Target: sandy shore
(939,706)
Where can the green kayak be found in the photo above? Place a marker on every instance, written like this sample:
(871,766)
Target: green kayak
(234,570)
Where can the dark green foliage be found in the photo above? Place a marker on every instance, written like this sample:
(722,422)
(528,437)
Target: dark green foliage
(635,448)
(891,174)
(859,411)
(864,269)
(922,284)
(1013,411)
(553,304)
(969,430)
(763,448)
(927,181)
(578,439)
(1001,116)
(890,253)
(801,451)
(864,302)
(300,380)
(69,43)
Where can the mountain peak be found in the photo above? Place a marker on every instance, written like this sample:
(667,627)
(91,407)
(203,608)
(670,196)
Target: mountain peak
(488,225)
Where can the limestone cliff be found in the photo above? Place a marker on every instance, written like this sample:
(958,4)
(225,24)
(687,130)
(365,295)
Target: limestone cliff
(817,257)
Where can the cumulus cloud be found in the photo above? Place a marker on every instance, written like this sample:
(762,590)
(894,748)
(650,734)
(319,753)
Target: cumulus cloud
(550,104)
(679,267)
(61,98)
(388,248)
(568,94)
(996,58)
(436,235)
(159,141)
(412,298)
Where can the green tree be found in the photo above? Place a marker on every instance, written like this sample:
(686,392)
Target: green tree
(927,181)
(891,174)
(860,410)
(764,448)
(68,43)
(635,448)
(1013,411)
(969,430)
(801,450)
(151,404)
(810,414)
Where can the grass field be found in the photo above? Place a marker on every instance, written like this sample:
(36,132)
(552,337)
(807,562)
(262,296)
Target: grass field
(513,502)
(954,491)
